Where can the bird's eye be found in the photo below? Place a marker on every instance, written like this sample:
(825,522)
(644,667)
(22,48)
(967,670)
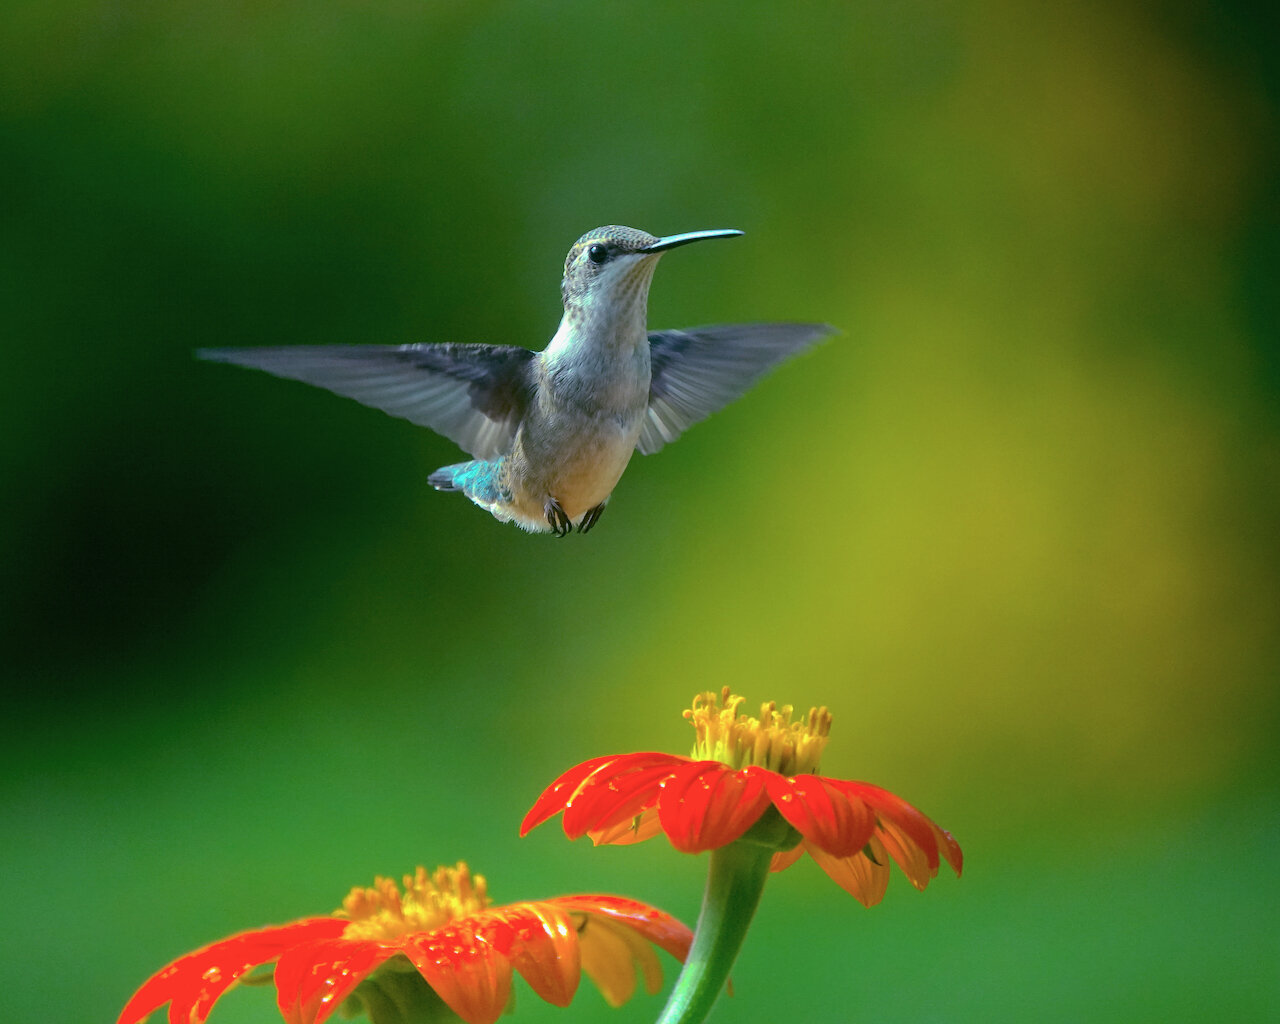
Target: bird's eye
(597,254)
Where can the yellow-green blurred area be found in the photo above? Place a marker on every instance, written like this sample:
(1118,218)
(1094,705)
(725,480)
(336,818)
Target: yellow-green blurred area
(1017,525)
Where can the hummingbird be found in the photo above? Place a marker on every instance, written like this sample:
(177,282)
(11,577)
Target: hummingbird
(551,432)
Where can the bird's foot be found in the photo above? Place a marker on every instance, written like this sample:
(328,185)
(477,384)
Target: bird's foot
(591,518)
(556,517)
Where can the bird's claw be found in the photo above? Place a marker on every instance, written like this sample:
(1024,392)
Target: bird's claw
(591,517)
(559,521)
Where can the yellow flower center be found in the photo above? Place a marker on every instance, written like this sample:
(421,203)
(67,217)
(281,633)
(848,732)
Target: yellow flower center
(383,914)
(771,741)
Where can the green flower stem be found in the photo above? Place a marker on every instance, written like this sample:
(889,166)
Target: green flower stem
(735,881)
(397,994)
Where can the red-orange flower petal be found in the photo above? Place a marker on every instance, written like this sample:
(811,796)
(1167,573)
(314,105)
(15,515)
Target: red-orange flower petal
(663,930)
(615,792)
(541,942)
(861,877)
(464,959)
(823,812)
(911,827)
(193,983)
(312,979)
(705,804)
(740,766)
(610,955)
(914,860)
(468,973)
(556,797)
(644,825)
(951,851)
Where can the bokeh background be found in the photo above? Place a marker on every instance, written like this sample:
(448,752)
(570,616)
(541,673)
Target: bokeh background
(1017,525)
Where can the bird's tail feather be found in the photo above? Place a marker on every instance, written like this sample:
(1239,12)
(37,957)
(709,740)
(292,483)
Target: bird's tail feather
(443,478)
(478,480)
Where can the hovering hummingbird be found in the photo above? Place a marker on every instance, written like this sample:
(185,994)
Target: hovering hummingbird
(552,431)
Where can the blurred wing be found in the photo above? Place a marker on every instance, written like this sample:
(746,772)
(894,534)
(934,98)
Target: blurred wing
(475,395)
(698,371)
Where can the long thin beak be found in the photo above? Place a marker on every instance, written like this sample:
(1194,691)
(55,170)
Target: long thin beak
(671,241)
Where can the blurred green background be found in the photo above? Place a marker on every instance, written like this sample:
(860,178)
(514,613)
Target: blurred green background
(1017,525)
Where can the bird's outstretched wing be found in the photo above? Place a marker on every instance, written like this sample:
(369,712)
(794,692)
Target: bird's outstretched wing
(700,370)
(475,395)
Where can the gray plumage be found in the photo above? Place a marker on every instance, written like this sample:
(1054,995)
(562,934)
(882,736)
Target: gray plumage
(551,432)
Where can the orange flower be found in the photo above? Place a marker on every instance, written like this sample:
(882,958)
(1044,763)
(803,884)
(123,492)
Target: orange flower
(437,945)
(741,768)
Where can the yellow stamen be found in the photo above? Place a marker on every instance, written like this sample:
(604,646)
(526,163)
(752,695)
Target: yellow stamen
(772,741)
(381,913)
